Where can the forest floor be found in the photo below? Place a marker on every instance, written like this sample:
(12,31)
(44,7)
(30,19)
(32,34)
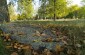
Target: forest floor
(49,34)
(29,34)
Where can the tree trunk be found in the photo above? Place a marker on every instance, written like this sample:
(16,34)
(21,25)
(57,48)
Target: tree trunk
(54,10)
(4,14)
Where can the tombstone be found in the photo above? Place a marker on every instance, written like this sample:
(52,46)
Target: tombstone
(4,14)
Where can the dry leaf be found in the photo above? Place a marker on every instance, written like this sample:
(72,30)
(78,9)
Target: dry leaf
(14,53)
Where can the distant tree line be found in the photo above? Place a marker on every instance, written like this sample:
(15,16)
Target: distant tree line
(59,9)
(48,9)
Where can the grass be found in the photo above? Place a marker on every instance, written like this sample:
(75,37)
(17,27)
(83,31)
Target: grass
(78,22)
(3,50)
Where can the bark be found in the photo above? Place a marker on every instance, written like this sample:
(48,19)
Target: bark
(4,13)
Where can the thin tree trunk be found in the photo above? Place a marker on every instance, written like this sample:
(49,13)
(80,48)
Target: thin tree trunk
(54,10)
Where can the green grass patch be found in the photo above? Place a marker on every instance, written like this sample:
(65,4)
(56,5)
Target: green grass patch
(61,23)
